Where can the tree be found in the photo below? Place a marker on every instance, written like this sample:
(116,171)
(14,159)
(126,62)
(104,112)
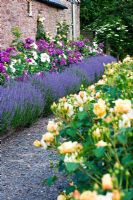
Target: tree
(96,14)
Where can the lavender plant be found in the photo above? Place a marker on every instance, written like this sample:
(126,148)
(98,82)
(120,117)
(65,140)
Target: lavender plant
(24,100)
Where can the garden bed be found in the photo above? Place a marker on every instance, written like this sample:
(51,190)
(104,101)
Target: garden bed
(93,133)
(22,102)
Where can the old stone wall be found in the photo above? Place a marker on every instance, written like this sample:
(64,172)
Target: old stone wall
(15,13)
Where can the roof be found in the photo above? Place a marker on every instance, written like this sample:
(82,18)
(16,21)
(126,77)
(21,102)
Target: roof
(54,3)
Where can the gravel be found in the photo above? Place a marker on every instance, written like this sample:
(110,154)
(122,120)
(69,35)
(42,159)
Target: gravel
(24,167)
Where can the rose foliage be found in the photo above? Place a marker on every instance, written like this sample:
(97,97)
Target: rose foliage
(93,133)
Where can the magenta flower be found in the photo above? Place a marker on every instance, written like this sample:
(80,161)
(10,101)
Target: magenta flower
(63,61)
(2,68)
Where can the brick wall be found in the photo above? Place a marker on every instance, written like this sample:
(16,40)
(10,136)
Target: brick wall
(15,13)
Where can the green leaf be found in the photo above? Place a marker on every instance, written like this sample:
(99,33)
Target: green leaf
(71,132)
(122,138)
(99,152)
(128,195)
(70,189)
(71,167)
(82,115)
(50,181)
(127,160)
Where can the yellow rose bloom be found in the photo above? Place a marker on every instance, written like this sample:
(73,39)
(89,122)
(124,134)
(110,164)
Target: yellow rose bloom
(48,137)
(107,182)
(116,195)
(122,106)
(101,143)
(37,143)
(97,133)
(61,197)
(88,195)
(69,147)
(52,127)
(100,108)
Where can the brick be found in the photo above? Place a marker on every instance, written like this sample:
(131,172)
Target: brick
(14,13)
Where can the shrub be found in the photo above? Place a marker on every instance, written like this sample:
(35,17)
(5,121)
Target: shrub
(93,134)
(20,105)
(29,57)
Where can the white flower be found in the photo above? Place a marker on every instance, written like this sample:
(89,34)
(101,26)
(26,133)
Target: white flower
(14,61)
(12,69)
(127,59)
(59,43)
(126,120)
(81,98)
(72,158)
(95,44)
(108,196)
(34,46)
(41,19)
(130,114)
(69,108)
(45,57)
(35,55)
(32,62)
(81,109)
(64,56)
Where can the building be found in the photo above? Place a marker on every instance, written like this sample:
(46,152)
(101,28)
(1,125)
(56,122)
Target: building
(24,14)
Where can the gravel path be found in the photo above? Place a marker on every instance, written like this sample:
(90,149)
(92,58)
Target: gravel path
(24,167)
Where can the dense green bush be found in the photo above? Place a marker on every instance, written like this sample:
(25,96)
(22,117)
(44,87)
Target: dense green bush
(109,16)
(93,134)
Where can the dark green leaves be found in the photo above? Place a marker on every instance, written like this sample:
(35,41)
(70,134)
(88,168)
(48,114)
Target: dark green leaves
(71,167)
(50,181)
(99,152)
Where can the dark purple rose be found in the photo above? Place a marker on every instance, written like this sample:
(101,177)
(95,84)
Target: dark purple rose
(29,40)
(2,68)
(63,61)
(59,51)
(28,60)
(4,57)
(8,50)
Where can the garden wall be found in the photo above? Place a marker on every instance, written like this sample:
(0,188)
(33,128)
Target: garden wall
(15,13)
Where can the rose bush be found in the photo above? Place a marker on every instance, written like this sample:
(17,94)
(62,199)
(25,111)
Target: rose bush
(95,137)
(28,56)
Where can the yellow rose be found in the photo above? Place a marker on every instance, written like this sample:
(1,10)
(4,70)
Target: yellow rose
(107,182)
(69,147)
(101,143)
(48,137)
(122,106)
(100,108)
(52,127)
(76,194)
(100,82)
(61,197)
(37,143)
(108,119)
(97,133)
(116,195)
(88,195)
(92,87)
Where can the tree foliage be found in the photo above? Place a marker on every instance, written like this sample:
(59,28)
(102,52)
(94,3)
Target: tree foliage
(97,13)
